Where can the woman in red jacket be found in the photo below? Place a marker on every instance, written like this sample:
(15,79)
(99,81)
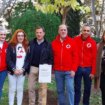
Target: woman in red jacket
(3,66)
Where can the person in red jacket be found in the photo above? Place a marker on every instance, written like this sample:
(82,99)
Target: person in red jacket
(3,66)
(65,65)
(87,64)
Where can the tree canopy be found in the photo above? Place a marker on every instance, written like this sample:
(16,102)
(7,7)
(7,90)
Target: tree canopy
(26,17)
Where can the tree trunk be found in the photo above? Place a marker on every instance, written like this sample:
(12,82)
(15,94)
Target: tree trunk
(94,17)
(65,11)
(101,17)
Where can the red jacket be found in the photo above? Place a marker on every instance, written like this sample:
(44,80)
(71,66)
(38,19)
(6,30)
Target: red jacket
(65,54)
(3,65)
(87,52)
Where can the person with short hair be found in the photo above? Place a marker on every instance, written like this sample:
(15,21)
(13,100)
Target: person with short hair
(3,51)
(40,53)
(65,65)
(86,48)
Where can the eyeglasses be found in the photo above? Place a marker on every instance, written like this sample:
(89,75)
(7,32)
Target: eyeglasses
(86,30)
(20,35)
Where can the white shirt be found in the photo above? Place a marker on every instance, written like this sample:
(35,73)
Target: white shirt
(1,44)
(20,56)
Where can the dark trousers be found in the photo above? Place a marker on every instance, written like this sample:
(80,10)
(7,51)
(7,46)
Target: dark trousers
(102,86)
(82,72)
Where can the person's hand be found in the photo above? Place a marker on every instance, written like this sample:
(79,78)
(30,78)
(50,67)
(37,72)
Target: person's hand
(20,72)
(72,73)
(91,76)
(16,72)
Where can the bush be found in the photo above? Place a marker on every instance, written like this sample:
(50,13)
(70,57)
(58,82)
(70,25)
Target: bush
(97,39)
(73,22)
(31,18)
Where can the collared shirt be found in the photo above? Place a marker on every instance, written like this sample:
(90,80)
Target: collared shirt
(39,42)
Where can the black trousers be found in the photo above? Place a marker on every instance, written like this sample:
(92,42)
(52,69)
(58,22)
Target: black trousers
(102,87)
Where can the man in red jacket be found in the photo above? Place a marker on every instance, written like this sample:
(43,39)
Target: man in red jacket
(65,65)
(87,64)
(3,66)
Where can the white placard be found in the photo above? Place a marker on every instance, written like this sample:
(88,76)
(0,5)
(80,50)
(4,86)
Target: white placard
(45,73)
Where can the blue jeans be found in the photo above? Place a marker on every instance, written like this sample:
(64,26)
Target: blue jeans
(65,84)
(82,72)
(3,75)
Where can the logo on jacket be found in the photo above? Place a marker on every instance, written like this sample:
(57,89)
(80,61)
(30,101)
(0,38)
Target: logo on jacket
(89,45)
(68,46)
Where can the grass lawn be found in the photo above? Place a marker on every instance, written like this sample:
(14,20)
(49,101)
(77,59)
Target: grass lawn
(95,98)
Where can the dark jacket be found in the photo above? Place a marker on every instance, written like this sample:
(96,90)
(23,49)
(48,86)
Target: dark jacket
(100,46)
(11,60)
(46,56)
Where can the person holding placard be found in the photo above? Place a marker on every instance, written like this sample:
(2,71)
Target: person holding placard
(40,55)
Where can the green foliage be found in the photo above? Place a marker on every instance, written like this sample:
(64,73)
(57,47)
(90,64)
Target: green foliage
(73,22)
(28,18)
(47,6)
(58,6)
(97,39)
(74,18)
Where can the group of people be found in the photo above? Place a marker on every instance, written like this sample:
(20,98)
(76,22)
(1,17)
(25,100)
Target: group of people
(71,58)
